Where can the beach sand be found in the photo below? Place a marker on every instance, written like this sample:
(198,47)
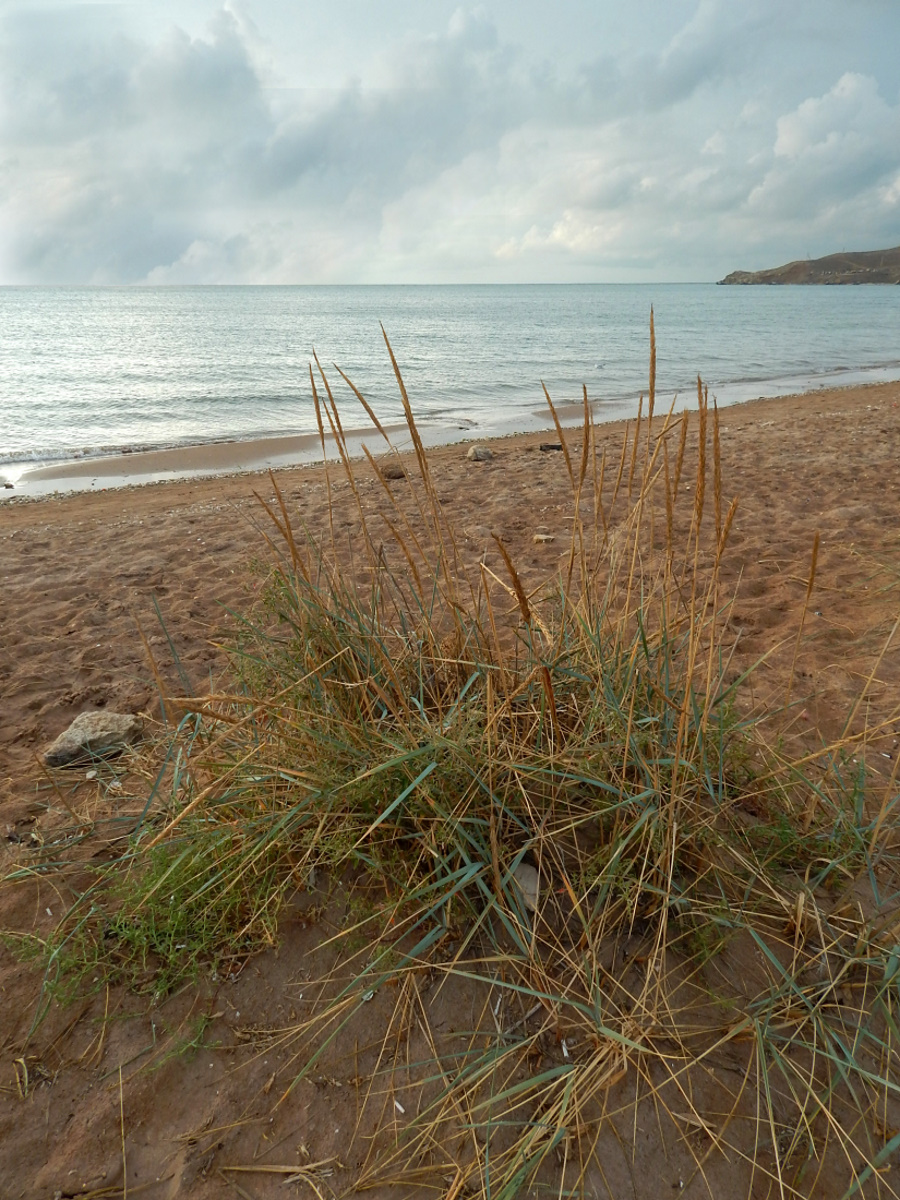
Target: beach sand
(79,572)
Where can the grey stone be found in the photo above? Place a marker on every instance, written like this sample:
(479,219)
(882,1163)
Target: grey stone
(528,882)
(94,735)
(480,454)
(392,471)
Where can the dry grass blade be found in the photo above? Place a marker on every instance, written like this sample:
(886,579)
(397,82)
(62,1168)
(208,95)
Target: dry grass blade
(652,386)
(421,456)
(622,460)
(370,413)
(814,558)
(726,529)
(521,597)
(634,448)
(587,439)
(717,471)
(559,434)
(670,504)
(679,458)
(700,490)
(321,428)
(337,429)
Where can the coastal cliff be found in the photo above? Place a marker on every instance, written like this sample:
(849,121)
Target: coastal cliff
(868,266)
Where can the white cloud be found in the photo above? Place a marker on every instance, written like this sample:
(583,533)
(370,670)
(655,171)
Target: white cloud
(890,194)
(851,109)
(181,158)
(831,154)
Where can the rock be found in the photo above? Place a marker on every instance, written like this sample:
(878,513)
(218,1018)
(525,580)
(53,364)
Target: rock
(548,446)
(392,471)
(480,454)
(540,538)
(528,882)
(94,735)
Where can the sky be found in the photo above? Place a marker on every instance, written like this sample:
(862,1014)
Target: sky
(516,141)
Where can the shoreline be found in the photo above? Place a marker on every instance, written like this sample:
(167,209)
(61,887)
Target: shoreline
(205,460)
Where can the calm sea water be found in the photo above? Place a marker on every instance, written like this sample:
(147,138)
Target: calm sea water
(96,370)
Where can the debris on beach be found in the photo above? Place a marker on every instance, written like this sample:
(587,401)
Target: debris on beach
(480,454)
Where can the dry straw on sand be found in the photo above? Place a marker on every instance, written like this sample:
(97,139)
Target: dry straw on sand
(709,959)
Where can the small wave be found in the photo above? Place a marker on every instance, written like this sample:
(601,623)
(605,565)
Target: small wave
(51,454)
(59,454)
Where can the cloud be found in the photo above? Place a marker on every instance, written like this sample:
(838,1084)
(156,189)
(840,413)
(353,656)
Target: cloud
(184,158)
(138,157)
(832,154)
(115,153)
(852,109)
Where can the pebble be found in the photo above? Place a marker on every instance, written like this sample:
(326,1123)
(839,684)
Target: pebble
(528,882)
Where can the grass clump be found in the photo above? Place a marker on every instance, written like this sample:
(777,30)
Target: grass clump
(552,801)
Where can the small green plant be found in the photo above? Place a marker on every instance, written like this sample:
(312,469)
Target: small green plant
(185,1043)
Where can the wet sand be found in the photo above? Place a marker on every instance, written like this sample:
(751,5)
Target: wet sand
(131,468)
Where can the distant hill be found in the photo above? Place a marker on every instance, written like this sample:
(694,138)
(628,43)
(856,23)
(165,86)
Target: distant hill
(867,266)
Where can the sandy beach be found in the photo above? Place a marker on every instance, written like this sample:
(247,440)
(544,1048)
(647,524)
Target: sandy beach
(80,572)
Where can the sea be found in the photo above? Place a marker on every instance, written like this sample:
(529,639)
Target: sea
(92,371)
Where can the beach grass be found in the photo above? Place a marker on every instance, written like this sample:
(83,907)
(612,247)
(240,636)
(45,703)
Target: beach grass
(556,803)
